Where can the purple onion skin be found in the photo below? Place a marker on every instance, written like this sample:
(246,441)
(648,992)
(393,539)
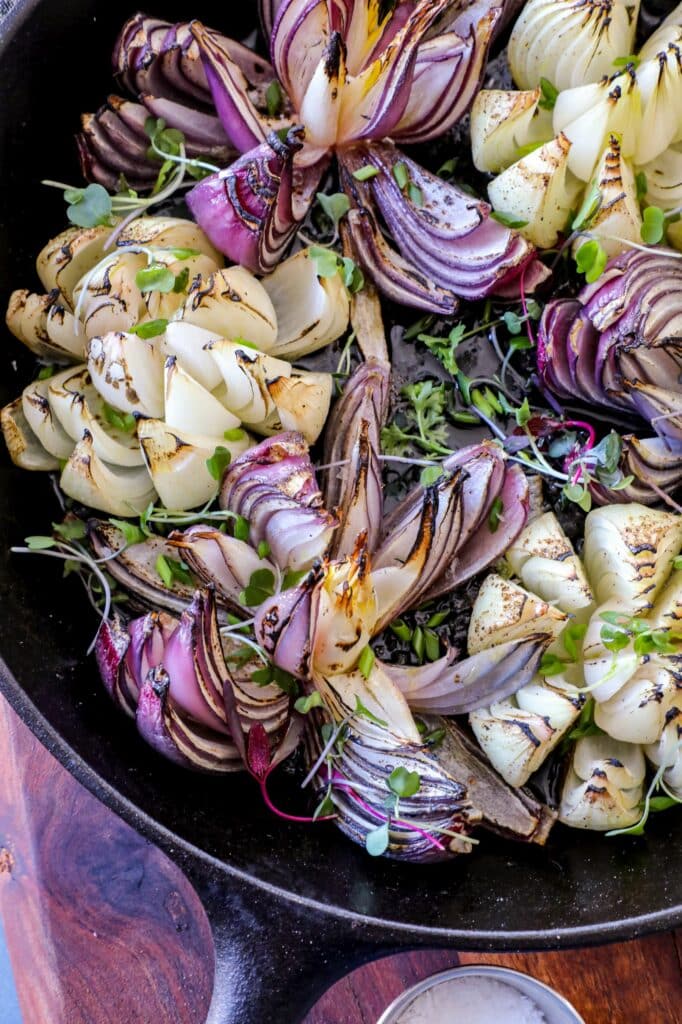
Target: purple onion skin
(150,718)
(113,641)
(237,207)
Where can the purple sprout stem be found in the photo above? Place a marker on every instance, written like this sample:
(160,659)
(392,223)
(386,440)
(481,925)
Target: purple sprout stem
(341,783)
(283,814)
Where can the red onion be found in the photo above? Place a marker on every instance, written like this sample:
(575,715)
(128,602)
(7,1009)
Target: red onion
(247,210)
(273,486)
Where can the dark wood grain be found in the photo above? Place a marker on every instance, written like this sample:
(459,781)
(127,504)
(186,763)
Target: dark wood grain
(103,929)
(101,926)
(629,983)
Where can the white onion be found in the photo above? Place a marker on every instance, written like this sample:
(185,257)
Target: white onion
(547,565)
(232,304)
(604,785)
(190,407)
(89,480)
(44,424)
(570,42)
(24,447)
(538,191)
(618,219)
(502,122)
(504,611)
(128,372)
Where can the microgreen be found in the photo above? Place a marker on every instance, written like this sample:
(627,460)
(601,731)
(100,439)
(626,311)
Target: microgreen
(170,570)
(642,185)
(444,348)
(131,532)
(155,278)
(507,220)
(328,263)
(430,475)
(181,281)
(401,174)
(37,543)
(70,529)
(447,169)
(523,413)
(88,207)
(495,514)
(123,421)
(631,59)
(305,704)
(241,528)
(292,577)
(234,434)
(376,841)
(218,462)
(649,804)
(366,662)
(403,782)
(335,206)
(149,329)
(260,587)
(362,712)
(46,372)
(548,94)
(653,225)
(589,209)
(591,258)
(552,665)
(365,173)
(620,630)
(571,637)
(274,98)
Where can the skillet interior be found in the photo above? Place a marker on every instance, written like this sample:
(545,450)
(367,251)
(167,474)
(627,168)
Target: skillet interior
(581,888)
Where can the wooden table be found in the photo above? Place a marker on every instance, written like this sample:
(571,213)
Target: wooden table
(103,929)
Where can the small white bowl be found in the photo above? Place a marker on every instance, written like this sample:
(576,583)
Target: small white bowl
(555,1008)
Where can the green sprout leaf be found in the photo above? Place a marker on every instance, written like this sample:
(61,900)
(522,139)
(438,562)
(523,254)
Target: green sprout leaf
(36,543)
(400,629)
(274,98)
(430,475)
(235,434)
(352,276)
(548,94)
(523,413)
(364,712)
(263,549)
(218,462)
(46,372)
(551,665)
(629,59)
(366,661)
(591,258)
(171,570)
(507,220)
(365,173)
(571,637)
(241,528)
(123,421)
(326,261)
(642,185)
(335,206)
(88,207)
(401,175)
(155,278)
(132,533)
(149,329)
(305,704)
(496,512)
(653,225)
(181,281)
(403,782)
(588,210)
(376,841)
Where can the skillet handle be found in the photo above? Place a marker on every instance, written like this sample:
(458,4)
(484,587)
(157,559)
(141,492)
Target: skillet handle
(275,957)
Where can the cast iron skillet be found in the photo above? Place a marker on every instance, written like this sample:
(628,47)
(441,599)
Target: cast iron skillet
(291,907)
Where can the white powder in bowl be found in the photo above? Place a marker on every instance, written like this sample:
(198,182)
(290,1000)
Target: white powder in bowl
(472,1000)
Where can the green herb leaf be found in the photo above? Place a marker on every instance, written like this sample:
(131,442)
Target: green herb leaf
(88,207)
(263,549)
(292,577)
(376,841)
(571,637)
(326,261)
(305,704)
(653,225)
(285,681)
(235,434)
(630,59)
(523,413)
(437,619)
(131,532)
(181,281)
(325,808)
(579,495)
(364,712)
(507,220)
(71,529)
(430,475)
(418,643)
(36,543)
(496,511)
(400,629)
(415,194)
(366,662)
(365,173)
(642,185)
(149,329)
(403,782)
(335,206)
(262,676)
(241,528)
(46,372)
(591,258)
(513,322)
(155,278)
(662,803)
(588,210)
(274,98)
(124,421)
(447,169)
(401,175)
(353,277)
(218,462)
(551,665)
(548,94)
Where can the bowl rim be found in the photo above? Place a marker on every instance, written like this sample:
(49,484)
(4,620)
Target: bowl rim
(406,998)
